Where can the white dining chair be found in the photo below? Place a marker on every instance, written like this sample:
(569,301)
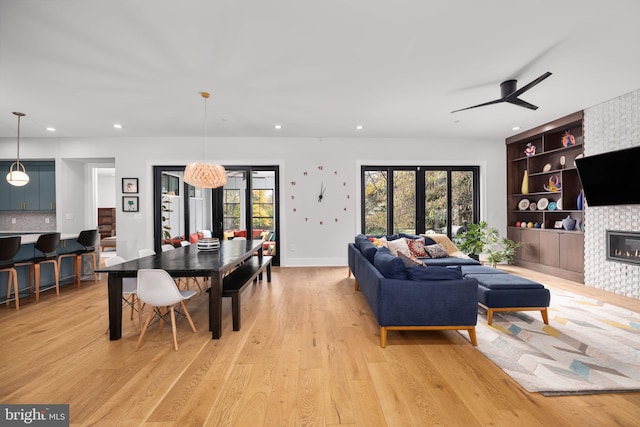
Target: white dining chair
(167,247)
(157,289)
(145,252)
(129,289)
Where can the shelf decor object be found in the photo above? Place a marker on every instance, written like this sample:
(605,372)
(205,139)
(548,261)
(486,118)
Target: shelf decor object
(523,204)
(530,150)
(568,223)
(205,175)
(543,203)
(554,184)
(130,185)
(525,183)
(568,139)
(18,177)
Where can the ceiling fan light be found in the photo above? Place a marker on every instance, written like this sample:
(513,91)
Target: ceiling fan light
(17,177)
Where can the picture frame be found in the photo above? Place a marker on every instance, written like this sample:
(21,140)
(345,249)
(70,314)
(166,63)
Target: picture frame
(130,185)
(130,204)
(557,224)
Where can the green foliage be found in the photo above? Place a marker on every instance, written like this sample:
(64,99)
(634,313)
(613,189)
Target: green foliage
(476,238)
(504,250)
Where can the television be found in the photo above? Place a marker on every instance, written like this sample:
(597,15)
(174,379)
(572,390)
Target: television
(611,178)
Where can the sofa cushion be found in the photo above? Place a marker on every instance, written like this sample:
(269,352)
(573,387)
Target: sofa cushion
(433,273)
(436,251)
(398,246)
(367,248)
(410,261)
(442,262)
(388,265)
(416,247)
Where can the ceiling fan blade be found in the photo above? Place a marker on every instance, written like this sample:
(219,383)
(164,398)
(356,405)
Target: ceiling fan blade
(521,103)
(526,87)
(481,105)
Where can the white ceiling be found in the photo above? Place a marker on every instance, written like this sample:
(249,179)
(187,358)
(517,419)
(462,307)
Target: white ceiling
(318,68)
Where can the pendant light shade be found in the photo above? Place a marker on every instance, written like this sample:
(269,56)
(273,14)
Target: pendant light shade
(205,175)
(17,175)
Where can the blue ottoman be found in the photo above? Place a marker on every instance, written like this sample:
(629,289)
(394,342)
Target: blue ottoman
(499,292)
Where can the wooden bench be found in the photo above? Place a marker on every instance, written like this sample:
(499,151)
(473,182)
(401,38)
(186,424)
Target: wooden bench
(238,279)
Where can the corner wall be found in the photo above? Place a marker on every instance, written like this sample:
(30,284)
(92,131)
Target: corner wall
(612,125)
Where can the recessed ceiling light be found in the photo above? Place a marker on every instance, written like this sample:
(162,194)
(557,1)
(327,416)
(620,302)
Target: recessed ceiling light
(515,128)
(50,129)
(278,126)
(359,127)
(117,125)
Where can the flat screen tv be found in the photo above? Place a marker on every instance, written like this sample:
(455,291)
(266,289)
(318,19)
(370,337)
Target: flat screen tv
(611,178)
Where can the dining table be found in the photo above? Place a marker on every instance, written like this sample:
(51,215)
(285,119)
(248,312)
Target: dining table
(185,261)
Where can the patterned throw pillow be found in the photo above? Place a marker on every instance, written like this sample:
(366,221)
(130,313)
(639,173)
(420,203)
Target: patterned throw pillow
(417,248)
(436,251)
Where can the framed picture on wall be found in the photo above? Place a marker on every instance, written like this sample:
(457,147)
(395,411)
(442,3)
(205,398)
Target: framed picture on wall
(130,185)
(130,203)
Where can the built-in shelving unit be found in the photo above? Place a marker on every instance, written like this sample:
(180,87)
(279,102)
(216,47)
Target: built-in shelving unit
(549,195)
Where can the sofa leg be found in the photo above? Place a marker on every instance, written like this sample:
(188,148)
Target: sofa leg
(545,316)
(357,285)
(472,337)
(489,316)
(349,272)
(383,336)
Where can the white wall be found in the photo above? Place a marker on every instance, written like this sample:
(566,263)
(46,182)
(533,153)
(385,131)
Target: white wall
(107,191)
(302,242)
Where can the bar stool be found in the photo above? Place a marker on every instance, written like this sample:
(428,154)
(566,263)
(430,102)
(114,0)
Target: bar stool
(47,245)
(9,247)
(86,239)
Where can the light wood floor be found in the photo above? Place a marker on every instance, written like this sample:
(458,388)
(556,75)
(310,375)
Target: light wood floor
(308,354)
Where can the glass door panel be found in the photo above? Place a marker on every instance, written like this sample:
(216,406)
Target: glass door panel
(404,201)
(375,185)
(436,202)
(462,202)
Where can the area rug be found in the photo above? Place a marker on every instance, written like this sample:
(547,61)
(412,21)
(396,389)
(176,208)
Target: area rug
(588,346)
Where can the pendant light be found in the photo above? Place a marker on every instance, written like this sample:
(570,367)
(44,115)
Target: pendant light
(17,173)
(205,175)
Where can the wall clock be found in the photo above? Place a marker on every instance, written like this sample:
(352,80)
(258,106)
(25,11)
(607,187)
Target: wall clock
(320,195)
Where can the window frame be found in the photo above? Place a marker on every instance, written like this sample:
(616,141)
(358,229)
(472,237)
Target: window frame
(420,171)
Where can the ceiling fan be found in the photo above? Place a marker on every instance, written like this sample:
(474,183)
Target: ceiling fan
(510,94)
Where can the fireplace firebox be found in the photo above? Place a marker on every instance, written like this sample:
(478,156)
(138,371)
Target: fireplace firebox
(623,246)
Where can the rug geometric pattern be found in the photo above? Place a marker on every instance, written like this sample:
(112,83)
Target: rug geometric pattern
(588,346)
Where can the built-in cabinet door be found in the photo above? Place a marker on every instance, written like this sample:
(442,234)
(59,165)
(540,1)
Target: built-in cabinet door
(47,193)
(549,249)
(572,251)
(531,248)
(27,197)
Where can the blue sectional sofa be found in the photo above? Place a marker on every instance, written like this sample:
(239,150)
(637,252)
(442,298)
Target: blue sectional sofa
(414,297)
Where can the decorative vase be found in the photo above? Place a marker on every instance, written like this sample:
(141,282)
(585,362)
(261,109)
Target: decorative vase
(525,183)
(579,201)
(568,223)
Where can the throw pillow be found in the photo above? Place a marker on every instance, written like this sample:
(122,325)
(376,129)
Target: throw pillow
(389,266)
(416,247)
(436,251)
(398,246)
(433,273)
(381,242)
(367,248)
(411,261)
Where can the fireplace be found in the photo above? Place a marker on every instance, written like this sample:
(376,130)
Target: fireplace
(623,246)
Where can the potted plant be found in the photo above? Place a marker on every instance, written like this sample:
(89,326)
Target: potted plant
(502,251)
(475,238)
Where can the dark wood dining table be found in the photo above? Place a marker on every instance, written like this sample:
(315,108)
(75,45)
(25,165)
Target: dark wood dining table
(185,261)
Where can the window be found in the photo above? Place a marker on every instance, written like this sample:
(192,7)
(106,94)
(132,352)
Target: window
(231,207)
(419,199)
(262,200)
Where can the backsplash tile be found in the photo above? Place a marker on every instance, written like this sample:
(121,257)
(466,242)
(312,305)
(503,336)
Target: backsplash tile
(27,221)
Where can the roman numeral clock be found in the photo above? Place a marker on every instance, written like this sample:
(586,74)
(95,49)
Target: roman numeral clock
(320,196)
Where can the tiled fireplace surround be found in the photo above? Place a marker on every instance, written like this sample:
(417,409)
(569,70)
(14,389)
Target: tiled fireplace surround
(612,125)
